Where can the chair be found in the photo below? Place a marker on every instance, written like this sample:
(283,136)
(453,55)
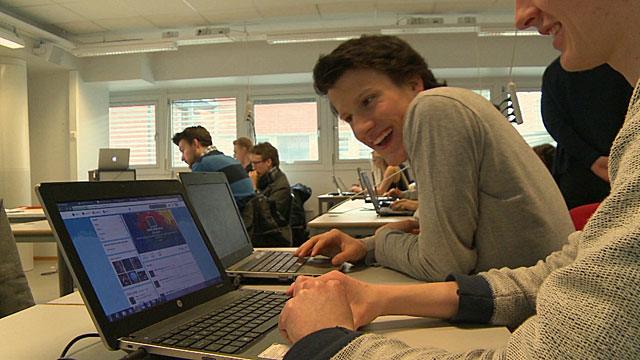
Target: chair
(580,214)
(298,220)
(15,293)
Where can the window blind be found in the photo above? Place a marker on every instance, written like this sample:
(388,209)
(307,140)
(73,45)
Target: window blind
(134,127)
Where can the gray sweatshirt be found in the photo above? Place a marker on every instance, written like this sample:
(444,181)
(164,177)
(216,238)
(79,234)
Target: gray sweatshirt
(485,199)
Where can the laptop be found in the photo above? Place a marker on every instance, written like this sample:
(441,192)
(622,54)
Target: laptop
(113,159)
(380,210)
(213,202)
(149,276)
(340,187)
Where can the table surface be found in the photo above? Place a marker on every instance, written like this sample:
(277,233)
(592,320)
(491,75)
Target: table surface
(353,213)
(27,336)
(32,228)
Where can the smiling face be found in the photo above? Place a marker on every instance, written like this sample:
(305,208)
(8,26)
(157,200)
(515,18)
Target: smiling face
(374,106)
(585,31)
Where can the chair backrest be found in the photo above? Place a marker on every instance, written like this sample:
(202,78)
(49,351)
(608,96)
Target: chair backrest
(15,294)
(580,214)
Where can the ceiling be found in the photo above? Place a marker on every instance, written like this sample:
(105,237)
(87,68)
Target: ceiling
(94,21)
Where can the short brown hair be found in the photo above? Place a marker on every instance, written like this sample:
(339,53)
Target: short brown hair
(387,54)
(244,142)
(191,133)
(266,151)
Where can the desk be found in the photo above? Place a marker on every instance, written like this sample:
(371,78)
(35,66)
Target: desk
(354,217)
(19,215)
(26,336)
(331,200)
(40,231)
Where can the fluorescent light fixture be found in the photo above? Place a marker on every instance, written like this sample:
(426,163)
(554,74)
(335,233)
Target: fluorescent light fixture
(10,39)
(497,30)
(436,29)
(205,40)
(123,47)
(310,37)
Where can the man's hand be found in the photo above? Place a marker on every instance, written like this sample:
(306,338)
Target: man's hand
(600,167)
(408,226)
(405,204)
(253,175)
(335,244)
(395,192)
(365,300)
(316,305)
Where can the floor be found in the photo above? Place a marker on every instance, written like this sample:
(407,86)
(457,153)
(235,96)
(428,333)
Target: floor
(43,281)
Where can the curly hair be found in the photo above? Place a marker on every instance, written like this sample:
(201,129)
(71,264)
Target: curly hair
(191,133)
(387,54)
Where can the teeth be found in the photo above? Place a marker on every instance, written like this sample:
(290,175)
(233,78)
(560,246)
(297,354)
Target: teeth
(381,137)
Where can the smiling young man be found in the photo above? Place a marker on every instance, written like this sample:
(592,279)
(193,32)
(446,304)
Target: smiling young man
(478,182)
(579,303)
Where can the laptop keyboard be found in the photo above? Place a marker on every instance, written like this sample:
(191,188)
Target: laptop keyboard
(231,328)
(273,261)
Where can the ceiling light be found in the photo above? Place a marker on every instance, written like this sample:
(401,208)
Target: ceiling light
(497,30)
(310,37)
(123,47)
(402,30)
(10,39)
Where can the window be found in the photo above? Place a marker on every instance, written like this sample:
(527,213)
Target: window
(216,115)
(486,93)
(134,127)
(349,148)
(290,125)
(532,129)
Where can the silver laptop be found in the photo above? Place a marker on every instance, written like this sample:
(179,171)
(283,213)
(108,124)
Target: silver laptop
(113,159)
(340,187)
(213,202)
(380,210)
(149,276)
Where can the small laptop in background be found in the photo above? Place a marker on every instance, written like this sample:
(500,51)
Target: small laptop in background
(340,187)
(113,159)
(150,277)
(380,210)
(212,200)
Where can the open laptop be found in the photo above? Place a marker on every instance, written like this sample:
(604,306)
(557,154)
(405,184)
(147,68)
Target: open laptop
(212,200)
(340,187)
(113,159)
(149,276)
(380,210)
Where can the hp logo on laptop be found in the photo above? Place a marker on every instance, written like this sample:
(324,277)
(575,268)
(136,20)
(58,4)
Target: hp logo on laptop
(179,303)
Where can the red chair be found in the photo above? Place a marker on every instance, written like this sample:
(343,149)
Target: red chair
(581,214)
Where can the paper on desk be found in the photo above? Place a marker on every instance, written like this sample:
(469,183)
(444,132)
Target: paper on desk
(274,352)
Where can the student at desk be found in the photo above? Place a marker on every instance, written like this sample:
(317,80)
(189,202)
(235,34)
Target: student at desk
(478,182)
(391,177)
(579,303)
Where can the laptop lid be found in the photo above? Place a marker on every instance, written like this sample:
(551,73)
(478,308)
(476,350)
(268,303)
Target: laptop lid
(135,249)
(366,182)
(113,159)
(213,202)
(338,187)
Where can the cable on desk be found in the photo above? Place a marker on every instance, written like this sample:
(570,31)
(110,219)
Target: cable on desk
(138,354)
(72,342)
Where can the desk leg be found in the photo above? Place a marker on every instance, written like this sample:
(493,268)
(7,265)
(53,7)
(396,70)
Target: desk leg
(65,280)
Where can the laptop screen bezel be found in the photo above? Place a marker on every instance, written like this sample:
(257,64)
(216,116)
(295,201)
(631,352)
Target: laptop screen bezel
(205,178)
(366,182)
(52,194)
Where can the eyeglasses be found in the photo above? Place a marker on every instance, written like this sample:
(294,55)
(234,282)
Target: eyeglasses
(257,162)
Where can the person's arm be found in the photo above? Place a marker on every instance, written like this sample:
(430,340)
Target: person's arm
(390,176)
(556,118)
(280,194)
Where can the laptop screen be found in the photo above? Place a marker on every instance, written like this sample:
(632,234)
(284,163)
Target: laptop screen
(217,212)
(139,252)
(364,180)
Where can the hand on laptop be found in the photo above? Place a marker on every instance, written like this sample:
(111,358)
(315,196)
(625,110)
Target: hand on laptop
(408,226)
(395,192)
(404,204)
(309,311)
(360,295)
(335,244)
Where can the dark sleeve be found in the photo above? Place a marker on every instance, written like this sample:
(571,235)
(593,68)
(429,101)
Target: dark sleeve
(280,194)
(476,299)
(322,344)
(556,117)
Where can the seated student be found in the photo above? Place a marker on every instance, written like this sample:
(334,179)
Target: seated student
(388,177)
(270,181)
(579,303)
(198,152)
(15,294)
(478,182)
(241,148)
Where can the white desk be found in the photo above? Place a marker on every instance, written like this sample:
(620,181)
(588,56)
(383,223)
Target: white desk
(25,214)
(42,331)
(355,217)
